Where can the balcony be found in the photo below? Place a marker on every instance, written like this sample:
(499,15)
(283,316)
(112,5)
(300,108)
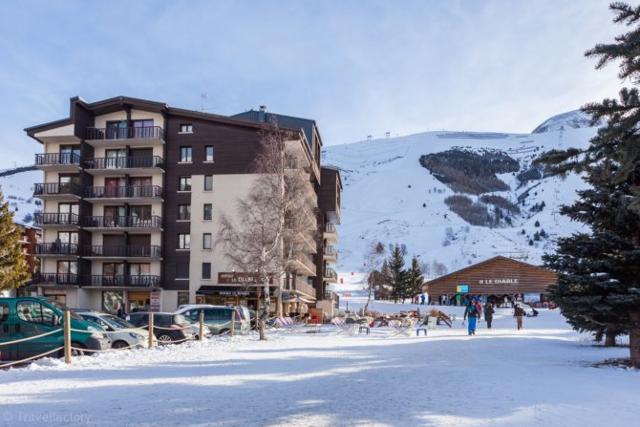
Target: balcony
(128,223)
(57,249)
(140,192)
(306,288)
(330,232)
(56,190)
(134,136)
(330,254)
(128,251)
(330,275)
(55,279)
(107,165)
(303,265)
(58,161)
(123,280)
(56,220)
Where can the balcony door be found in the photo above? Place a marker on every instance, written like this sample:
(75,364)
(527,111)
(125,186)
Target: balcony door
(114,187)
(115,216)
(67,211)
(112,273)
(141,186)
(66,271)
(142,128)
(115,159)
(141,158)
(70,237)
(140,244)
(139,273)
(116,129)
(69,154)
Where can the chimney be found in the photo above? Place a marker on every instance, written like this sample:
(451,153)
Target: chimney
(262,110)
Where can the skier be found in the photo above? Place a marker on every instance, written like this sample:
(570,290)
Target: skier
(518,313)
(472,313)
(488,314)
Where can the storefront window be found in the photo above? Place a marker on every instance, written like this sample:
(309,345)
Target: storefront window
(113,302)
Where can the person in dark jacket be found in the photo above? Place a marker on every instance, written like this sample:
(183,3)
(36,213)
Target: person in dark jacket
(518,313)
(488,314)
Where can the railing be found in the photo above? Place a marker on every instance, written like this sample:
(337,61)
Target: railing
(124,280)
(306,288)
(134,132)
(56,219)
(57,248)
(330,250)
(54,188)
(329,228)
(128,251)
(124,162)
(56,278)
(303,259)
(121,222)
(50,159)
(330,273)
(137,191)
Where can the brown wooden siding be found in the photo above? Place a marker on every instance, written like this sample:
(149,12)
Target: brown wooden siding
(495,276)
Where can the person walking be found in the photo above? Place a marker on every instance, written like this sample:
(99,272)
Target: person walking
(488,314)
(471,312)
(518,313)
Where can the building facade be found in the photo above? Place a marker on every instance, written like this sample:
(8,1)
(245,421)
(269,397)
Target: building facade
(132,191)
(493,279)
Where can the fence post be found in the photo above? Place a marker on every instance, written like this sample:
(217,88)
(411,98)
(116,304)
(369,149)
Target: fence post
(67,337)
(150,330)
(201,320)
(232,330)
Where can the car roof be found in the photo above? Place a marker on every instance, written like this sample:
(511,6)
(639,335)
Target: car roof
(195,306)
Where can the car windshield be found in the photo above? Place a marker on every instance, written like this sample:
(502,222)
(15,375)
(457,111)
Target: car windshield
(64,308)
(116,322)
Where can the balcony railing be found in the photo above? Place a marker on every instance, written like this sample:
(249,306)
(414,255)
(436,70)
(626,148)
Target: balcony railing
(134,132)
(329,228)
(132,162)
(330,250)
(330,273)
(51,159)
(56,188)
(57,248)
(123,280)
(127,251)
(137,191)
(122,222)
(56,278)
(306,288)
(41,219)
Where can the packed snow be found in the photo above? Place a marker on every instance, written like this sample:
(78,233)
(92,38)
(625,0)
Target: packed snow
(540,376)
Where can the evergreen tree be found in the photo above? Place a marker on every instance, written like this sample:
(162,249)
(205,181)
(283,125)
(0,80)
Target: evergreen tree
(14,270)
(414,279)
(599,273)
(397,273)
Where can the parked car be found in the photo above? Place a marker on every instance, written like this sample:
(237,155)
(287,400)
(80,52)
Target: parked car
(218,317)
(23,317)
(122,333)
(167,327)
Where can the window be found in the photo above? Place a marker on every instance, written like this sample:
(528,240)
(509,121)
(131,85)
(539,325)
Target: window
(185,183)
(186,128)
(207,215)
(183,298)
(206,241)
(206,270)
(208,153)
(182,270)
(4,311)
(184,241)
(32,311)
(208,182)
(184,212)
(185,154)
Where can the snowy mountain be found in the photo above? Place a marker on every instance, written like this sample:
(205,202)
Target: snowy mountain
(389,196)
(571,120)
(17,189)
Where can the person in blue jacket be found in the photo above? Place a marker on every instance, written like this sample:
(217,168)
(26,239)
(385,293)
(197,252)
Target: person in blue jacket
(471,315)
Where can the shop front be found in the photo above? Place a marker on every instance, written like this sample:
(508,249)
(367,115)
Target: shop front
(247,295)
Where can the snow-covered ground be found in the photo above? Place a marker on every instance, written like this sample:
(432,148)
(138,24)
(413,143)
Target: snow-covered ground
(540,376)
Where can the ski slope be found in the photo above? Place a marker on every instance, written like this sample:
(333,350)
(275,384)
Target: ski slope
(385,188)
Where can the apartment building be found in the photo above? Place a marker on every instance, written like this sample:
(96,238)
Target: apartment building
(132,192)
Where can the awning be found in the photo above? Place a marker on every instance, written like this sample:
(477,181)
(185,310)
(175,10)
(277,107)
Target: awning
(233,291)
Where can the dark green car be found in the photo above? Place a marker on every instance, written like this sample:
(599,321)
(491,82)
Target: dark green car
(24,317)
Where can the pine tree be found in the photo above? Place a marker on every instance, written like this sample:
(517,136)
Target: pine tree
(14,270)
(414,279)
(599,273)
(397,273)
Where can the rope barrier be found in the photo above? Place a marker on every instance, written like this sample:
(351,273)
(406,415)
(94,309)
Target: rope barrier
(55,331)
(6,365)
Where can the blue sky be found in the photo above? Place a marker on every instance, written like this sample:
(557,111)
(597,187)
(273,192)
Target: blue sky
(357,67)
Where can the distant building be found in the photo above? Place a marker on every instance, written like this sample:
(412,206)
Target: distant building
(494,278)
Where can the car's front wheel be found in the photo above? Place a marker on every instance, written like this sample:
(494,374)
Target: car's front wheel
(164,339)
(78,349)
(119,345)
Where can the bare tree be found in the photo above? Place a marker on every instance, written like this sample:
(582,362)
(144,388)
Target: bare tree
(275,221)
(372,263)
